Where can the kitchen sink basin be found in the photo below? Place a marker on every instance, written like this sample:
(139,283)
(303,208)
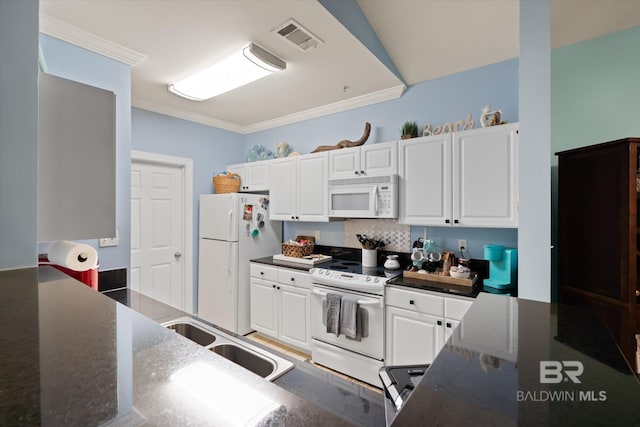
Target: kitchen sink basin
(247,359)
(195,334)
(251,357)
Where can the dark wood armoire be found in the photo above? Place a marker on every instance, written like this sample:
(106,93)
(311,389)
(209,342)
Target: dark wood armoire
(599,235)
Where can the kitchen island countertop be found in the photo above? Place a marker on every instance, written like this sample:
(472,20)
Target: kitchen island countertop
(72,356)
(519,362)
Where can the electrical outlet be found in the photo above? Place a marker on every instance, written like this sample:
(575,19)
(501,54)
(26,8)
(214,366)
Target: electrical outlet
(109,241)
(317,235)
(462,245)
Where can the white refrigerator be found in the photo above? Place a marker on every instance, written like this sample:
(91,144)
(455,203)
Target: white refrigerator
(234,228)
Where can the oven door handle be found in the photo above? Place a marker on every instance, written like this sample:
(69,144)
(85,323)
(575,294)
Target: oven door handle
(360,302)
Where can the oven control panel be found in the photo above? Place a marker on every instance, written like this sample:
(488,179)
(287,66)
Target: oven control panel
(348,280)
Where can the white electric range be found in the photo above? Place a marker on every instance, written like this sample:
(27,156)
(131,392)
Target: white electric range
(359,358)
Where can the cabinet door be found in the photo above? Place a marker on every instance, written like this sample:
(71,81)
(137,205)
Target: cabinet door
(312,194)
(379,159)
(264,317)
(240,169)
(425,180)
(282,192)
(344,163)
(258,176)
(295,316)
(485,180)
(412,338)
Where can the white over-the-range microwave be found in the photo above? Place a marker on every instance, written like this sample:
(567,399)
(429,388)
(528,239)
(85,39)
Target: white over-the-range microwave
(364,197)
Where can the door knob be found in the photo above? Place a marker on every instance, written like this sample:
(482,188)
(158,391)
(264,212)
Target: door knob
(177,255)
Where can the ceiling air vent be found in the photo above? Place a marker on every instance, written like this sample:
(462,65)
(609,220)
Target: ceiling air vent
(295,33)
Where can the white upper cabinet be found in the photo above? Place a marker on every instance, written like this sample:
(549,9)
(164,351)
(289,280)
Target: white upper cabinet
(254,176)
(467,179)
(365,160)
(485,178)
(298,190)
(425,180)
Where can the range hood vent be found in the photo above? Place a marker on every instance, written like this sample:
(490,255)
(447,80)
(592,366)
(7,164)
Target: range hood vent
(296,34)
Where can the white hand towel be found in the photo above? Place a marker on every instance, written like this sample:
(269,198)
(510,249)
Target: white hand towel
(348,317)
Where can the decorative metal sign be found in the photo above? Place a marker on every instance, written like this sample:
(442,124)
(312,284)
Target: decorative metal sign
(469,123)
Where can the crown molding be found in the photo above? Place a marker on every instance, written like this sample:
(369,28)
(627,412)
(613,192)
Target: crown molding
(84,39)
(186,115)
(325,110)
(336,107)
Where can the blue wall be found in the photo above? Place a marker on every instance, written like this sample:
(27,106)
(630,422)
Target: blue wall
(595,91)
(437,101)
(210,148)
(74,63)
(18,134)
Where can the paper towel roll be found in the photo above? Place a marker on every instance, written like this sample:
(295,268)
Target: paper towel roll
(72,255)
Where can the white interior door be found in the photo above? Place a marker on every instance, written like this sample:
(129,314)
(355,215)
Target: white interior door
(157,227)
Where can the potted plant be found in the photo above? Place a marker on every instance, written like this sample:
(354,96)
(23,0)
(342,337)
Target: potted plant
(409,130)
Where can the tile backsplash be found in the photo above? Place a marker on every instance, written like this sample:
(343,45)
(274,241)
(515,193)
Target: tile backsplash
(397,237)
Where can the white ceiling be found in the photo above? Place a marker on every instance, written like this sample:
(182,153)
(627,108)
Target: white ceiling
(166,40)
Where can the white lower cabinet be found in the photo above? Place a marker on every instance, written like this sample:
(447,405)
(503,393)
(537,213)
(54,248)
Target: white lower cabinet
(412,338)
(281,305)
(418,323)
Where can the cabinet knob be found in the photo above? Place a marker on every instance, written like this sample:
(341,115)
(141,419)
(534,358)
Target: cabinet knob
(297,217)
(356,172)
(293,279)
(262,273)
(448,325)
(638,293)
(293,217)
(439,322)
(278,287)
(455,221)
(273,286)
(447,221)
(361,172)
(411,302)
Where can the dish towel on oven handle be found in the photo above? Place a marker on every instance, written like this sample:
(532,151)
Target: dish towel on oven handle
(349,317)
(333,313)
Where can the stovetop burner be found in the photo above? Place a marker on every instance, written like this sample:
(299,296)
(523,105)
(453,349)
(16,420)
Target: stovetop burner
(355,267)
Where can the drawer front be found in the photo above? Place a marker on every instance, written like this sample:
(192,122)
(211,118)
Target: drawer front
(456,308)
(261,271)
(415,301)
(294,278)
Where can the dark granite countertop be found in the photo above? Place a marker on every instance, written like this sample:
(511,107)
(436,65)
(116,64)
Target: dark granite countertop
(339,396)
(467,291)
(489,372)
(71,356)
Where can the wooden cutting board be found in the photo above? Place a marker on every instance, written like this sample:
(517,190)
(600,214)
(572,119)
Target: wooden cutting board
(442,279)
(306,260)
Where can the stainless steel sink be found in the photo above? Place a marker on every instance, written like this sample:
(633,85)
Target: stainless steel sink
(245,358)
(194,333)
(255,359)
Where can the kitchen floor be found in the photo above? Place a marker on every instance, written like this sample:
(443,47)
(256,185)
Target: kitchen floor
(304,357)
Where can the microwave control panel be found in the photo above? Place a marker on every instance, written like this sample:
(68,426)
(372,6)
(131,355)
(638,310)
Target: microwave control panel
(385,200)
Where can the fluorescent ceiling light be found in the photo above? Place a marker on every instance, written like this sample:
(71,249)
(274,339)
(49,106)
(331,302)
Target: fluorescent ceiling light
(249,64)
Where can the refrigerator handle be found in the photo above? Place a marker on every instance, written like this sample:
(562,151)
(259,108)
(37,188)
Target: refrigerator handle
(230,219)
(230,255)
